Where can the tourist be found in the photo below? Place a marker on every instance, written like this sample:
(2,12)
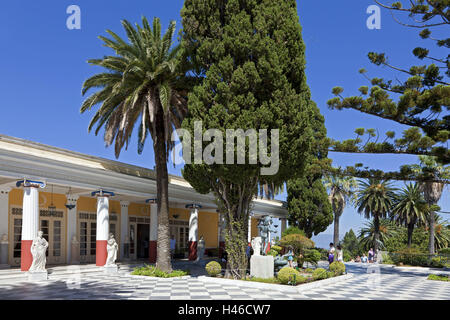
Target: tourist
(358,259)
(290,255)
(364,258)
(371,255)
(331,253)
(340,254)
(173,243)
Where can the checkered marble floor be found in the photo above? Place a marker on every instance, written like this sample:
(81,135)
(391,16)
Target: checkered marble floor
(387,285)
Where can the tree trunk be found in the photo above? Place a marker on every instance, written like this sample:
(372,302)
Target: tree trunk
(376,223)
(410,233)
(235,201)
(336,229)
(163,261)
(431,235)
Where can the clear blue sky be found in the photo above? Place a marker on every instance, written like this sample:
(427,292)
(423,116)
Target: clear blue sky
(44,65)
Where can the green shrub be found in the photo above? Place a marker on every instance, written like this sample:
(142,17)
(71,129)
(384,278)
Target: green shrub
(320,273)
(213,268)
(309,270)
(438,277)
(288,275)
(438,262)
(338,268)
(272,253)
(277,248)
(387,258)
(312,256)
(323,253)
(347,256)
(410,256)
(152,271)
(263,280)
(445,251)
(298,242)
(330,274)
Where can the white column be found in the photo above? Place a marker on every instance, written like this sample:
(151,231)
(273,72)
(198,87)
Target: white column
(283,225)
(193,232)
(154,222)
(193,225)
(71,224)
(4,210)
(102,229)
(123,226)
(4,238)
(30,221)
(153,232)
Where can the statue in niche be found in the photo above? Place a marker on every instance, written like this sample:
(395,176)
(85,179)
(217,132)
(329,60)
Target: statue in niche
(38,250)
(111,248)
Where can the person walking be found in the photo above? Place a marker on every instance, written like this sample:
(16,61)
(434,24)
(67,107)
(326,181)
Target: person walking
(340,254)
(331,253)
(290,255)
(371,255)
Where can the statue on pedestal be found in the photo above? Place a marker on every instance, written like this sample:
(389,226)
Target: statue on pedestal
(75,251)
(38,250)
(4,251)
(111,248)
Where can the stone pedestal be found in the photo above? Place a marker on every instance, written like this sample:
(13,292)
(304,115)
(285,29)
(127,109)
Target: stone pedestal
(111,269)
(262,267)
(75,253)
(37,275)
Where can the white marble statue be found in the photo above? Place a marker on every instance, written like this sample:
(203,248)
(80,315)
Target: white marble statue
(38,250)
(200,248)
(111,248)
(256,245)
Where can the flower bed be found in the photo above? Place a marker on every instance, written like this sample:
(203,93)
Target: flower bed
(152,271)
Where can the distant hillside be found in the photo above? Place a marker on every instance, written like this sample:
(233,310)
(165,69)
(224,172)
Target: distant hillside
(323,240)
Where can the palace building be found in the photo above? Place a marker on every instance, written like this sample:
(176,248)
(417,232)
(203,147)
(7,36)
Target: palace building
(77,200)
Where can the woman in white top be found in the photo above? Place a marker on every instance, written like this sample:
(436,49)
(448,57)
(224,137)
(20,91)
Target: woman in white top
(340,254)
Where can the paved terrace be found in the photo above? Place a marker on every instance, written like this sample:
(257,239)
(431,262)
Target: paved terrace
(88,282)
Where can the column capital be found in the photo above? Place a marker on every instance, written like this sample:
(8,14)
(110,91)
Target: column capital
(5,190)
(30,183)
(102,193)
(124,204)
(151,201)
(193,206)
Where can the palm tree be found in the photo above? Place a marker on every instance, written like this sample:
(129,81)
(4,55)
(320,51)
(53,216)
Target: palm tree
(145,85)
(367,234)
(341,192)
(410,209)
(375,199)
(441,233)
(432,191)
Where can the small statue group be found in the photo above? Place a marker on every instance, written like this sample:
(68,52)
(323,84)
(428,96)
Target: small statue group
(264,227)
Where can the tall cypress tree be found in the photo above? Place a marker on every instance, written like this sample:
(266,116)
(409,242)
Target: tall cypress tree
(308,205)
(251,58)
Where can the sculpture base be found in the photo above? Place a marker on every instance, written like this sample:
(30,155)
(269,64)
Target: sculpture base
(37,275)
(262,267)
(111,269)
